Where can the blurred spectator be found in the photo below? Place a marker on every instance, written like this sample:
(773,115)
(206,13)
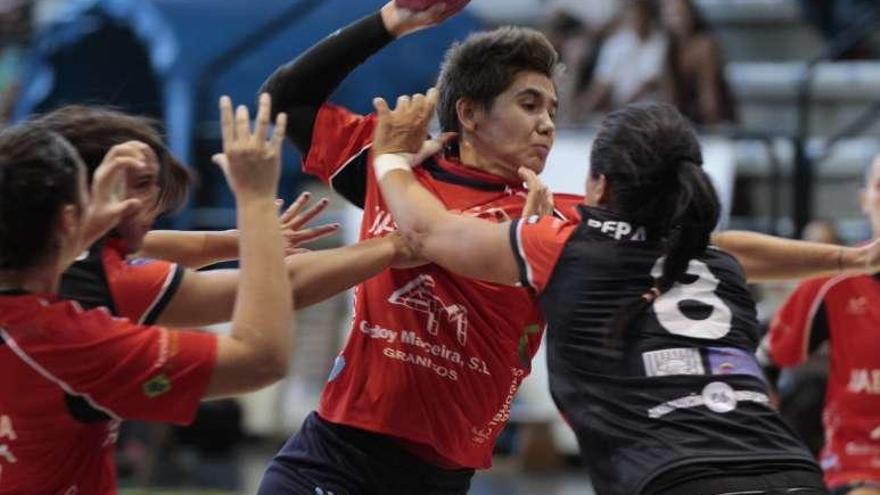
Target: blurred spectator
(630,62)
(831,17)
(577,29)
(694,77)
(15,30)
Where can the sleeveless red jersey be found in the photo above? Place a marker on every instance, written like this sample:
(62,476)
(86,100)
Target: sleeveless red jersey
(844,311)
(433,359)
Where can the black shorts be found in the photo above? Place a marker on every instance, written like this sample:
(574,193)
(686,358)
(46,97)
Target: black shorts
(757,478)
(324,458)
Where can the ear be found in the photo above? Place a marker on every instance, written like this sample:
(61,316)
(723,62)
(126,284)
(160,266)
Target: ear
(468,114)
(70,220)
(597,189)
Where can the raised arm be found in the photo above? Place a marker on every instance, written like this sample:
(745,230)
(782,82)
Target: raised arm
(300,87)
(765,257)
(465,245)
(257,351)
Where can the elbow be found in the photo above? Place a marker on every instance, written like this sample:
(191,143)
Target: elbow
(272,368)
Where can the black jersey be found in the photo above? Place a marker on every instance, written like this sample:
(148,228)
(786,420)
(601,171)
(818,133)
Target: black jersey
(683,388)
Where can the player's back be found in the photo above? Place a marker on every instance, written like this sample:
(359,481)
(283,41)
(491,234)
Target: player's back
(681,386)
(51,442)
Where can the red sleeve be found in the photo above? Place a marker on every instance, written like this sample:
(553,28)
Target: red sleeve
(567,205)
(537,244)
(799,323)
(340,149)
(127,371)
(141,288)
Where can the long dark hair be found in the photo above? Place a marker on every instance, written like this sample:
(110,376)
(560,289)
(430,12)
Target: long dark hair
(651,160)
(39,174)
(93,130)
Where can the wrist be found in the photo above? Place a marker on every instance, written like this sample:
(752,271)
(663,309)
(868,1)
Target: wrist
(386,163)
(850,259)
(391,20)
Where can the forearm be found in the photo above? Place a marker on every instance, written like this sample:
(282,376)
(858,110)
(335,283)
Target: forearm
(319,275)
(468,246)
(765,257)
(263,314)
(191,249)
(300,87)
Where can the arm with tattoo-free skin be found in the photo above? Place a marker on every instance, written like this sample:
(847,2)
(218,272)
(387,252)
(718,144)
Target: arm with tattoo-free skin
(194,249)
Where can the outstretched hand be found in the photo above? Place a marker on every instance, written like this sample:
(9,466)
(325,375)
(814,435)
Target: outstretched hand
(251,161)
(109,192)
(294,220)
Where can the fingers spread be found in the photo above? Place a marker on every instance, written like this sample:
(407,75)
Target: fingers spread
(227,123)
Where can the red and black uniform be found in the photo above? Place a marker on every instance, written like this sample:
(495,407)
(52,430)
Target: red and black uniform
(433,360)
(71,376)
(681,405)
(845,312)
(136,288)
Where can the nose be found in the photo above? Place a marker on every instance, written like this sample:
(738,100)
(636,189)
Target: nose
(546,126)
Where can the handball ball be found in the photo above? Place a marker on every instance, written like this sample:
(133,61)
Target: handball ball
(419,5)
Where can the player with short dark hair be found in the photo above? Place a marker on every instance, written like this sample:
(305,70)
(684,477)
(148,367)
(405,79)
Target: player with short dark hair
(423,387)
(651,331)
(63,364)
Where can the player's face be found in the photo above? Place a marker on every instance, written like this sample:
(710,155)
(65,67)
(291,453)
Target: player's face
(141,184)
(871,196)
(519,129)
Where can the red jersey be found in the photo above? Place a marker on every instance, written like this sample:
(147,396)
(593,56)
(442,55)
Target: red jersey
(137,288)
(433,359)
(844,310)
(72,375)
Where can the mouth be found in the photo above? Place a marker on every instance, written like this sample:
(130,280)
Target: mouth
(542,149)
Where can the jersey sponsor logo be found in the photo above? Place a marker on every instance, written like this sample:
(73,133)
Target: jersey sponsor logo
(716,396)
(383,223)
(618,230)
(864,381)
(733,361)
(421,360)
(490,429)
(418,295)
(157,385)
(677,361)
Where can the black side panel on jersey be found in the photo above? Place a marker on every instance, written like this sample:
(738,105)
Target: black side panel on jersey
(351,180)
(684,386)
(151,317)
(86,281)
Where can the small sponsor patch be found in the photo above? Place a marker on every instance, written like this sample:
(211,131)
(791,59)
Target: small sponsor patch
(733,361)
(719,397)
(676,361)
(157,386)
(139,261)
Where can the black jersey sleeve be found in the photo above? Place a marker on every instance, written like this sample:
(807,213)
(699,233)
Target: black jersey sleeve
(300,87)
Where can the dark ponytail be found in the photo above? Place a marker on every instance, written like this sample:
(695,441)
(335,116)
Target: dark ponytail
(39,174)
(650,157)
